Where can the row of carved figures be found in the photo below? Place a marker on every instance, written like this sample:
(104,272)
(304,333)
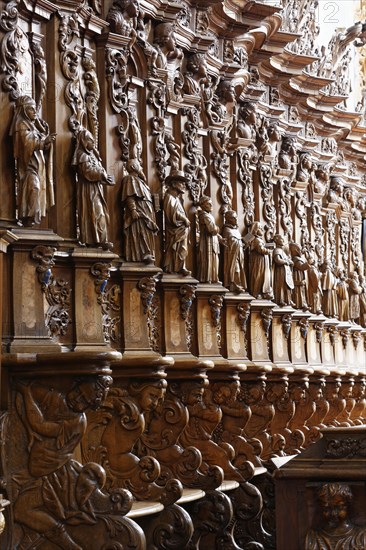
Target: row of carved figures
(154,437)
(333,293)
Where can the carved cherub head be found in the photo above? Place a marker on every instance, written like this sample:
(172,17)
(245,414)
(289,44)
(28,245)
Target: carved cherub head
(88,393)
(164,36)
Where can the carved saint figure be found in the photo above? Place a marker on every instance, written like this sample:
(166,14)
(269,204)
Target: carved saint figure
(283,282)
(165,42)
(300,266)
(287,157)
(209,245)
(337,531)
(195,78)
(363,301)
(268,145)
(92,208)
(314,286)
(260,265)
(32,145)
(304,168)
(234,266)
(176,225)
(355,290)
(58,488)
(343,296)
(329,286)
(139,216)
(247,120)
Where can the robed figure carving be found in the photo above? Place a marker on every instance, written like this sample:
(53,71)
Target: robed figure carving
(234,266)
(176,225)
(209,245)
(92,208)
(139,216)
(260,265)
(283,282)
(32,145)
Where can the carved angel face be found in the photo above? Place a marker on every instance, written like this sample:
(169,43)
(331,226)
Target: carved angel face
(150,397)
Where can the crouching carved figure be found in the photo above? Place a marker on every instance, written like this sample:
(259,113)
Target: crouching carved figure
(57,500)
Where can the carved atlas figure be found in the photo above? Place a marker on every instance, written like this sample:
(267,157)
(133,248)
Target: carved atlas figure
(32,146)
(92,208)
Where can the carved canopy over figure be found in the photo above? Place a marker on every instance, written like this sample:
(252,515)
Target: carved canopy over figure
(336,531)
(139,216)
(209,245)
(234,266)
(283,282)
(260,265)
(58,488)
(92,209)
(32,146)
(176,225)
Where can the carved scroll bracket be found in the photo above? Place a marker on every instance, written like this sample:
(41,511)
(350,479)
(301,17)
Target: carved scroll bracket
(286,321)
(304,327)
(44,255)
(150,303)
(101,273)
(216,303)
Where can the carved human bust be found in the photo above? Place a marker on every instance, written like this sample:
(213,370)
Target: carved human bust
(336,531)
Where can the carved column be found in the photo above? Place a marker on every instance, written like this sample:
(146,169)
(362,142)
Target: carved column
(32,262)
(91,271)
(260,332)
(299,335)
(314,340)
(328,342)
(281,335)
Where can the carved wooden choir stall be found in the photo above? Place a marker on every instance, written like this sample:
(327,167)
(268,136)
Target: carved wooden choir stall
(182,239)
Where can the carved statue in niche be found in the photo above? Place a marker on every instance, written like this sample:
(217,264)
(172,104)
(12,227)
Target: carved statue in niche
(139,216)
(335,193)
(283,283)
(260,264)
(287,158)
(351,197)
(32,146)
(267,147)
(304,168)
(195,79)
(336,530)
(166,46)
(315,292)
(321,180)
(300,266)
(354,289)
(126,18)
(362,320)
(93,218)
(227,98)
(57,492)
(329,286)
(235,415)
(343,296)
(234,264)
(247,120)
(204,416)
(176,225)
(209,244)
